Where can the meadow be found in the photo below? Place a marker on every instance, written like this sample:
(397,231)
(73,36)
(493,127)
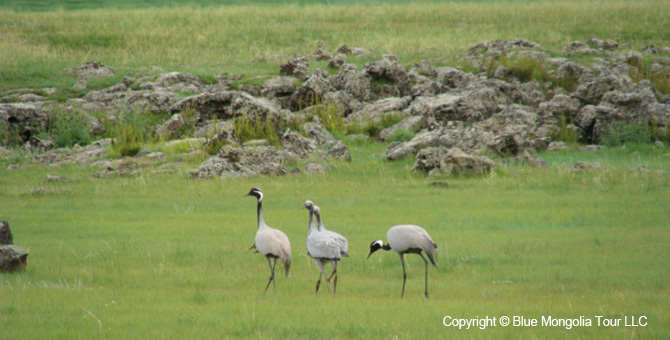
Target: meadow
(37,46)
(161,256)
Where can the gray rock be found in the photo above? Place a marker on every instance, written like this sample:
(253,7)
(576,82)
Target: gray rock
(353,81)
(311,92)
(454,78)
(13,258)
(581,166)
(321,54)
(411,123)
(241,162)
(226,105)
(557,146)
(591,92)
(6,237)
(390,77)
(279,87)
(24,120)
(337,61)
(93,70)
(375,112)
(440,160)
(298,66)
(315,168)
(172,128)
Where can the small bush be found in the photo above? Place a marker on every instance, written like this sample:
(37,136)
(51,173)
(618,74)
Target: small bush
(373,128)
(331,118)
(620,133)
(526,68)
(67,128)
(8,136)
(246,129)
(565,132)
(400,135)
(127,144)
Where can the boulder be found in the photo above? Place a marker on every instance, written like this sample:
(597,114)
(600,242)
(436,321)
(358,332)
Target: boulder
(242,162)
(13,258)
(23,120)
(454,78)
(353,81)
(93,70)
(311,92)
(591,92)
(298,66)
(440,160)
(226,105)
(389,75)
(172,128)
(337,61)
(325,140)
(375,112)
(6,236)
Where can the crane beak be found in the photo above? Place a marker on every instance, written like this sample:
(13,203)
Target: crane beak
(370,254)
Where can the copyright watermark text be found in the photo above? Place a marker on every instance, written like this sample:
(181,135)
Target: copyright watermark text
(544,321)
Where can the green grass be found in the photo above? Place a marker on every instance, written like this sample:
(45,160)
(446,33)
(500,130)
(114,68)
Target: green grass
(161,256)
(256,39)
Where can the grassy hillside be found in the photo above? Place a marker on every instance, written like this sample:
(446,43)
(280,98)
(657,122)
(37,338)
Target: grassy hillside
(255,39)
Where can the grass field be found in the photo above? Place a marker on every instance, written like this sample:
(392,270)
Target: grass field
(160,256)
(256,39)
(165,257)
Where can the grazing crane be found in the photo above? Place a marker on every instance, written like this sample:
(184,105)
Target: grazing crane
(408,239)
(270,242)
(324,247)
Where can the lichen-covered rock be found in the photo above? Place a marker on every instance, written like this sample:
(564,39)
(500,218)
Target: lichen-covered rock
(390,76)
(172,128)
(375,112)
(440,160)
(93,70)
(13,258)
(226,105)
(454,78)
(311,92)
(241,162)
(298,66)
(591,92)
(23,120)
(337,61)
(325,140)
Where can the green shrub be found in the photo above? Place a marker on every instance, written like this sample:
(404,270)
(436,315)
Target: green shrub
(127,143)
(526,68)
(67,128)
(400,135)
(372,128)
(620,133)
(8,136)
(246,129)
(331,118)
(565,133)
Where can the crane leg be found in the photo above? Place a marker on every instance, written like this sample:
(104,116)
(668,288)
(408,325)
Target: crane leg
(424,260)
(334,273)
(318,283)
(272,275)
(404,274)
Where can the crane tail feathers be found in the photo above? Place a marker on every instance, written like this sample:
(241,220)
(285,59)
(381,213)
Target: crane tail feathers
(287,266)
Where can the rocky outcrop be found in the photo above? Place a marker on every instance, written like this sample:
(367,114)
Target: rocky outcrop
(521,97)
(12,257)
(242,162)
(441,160)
